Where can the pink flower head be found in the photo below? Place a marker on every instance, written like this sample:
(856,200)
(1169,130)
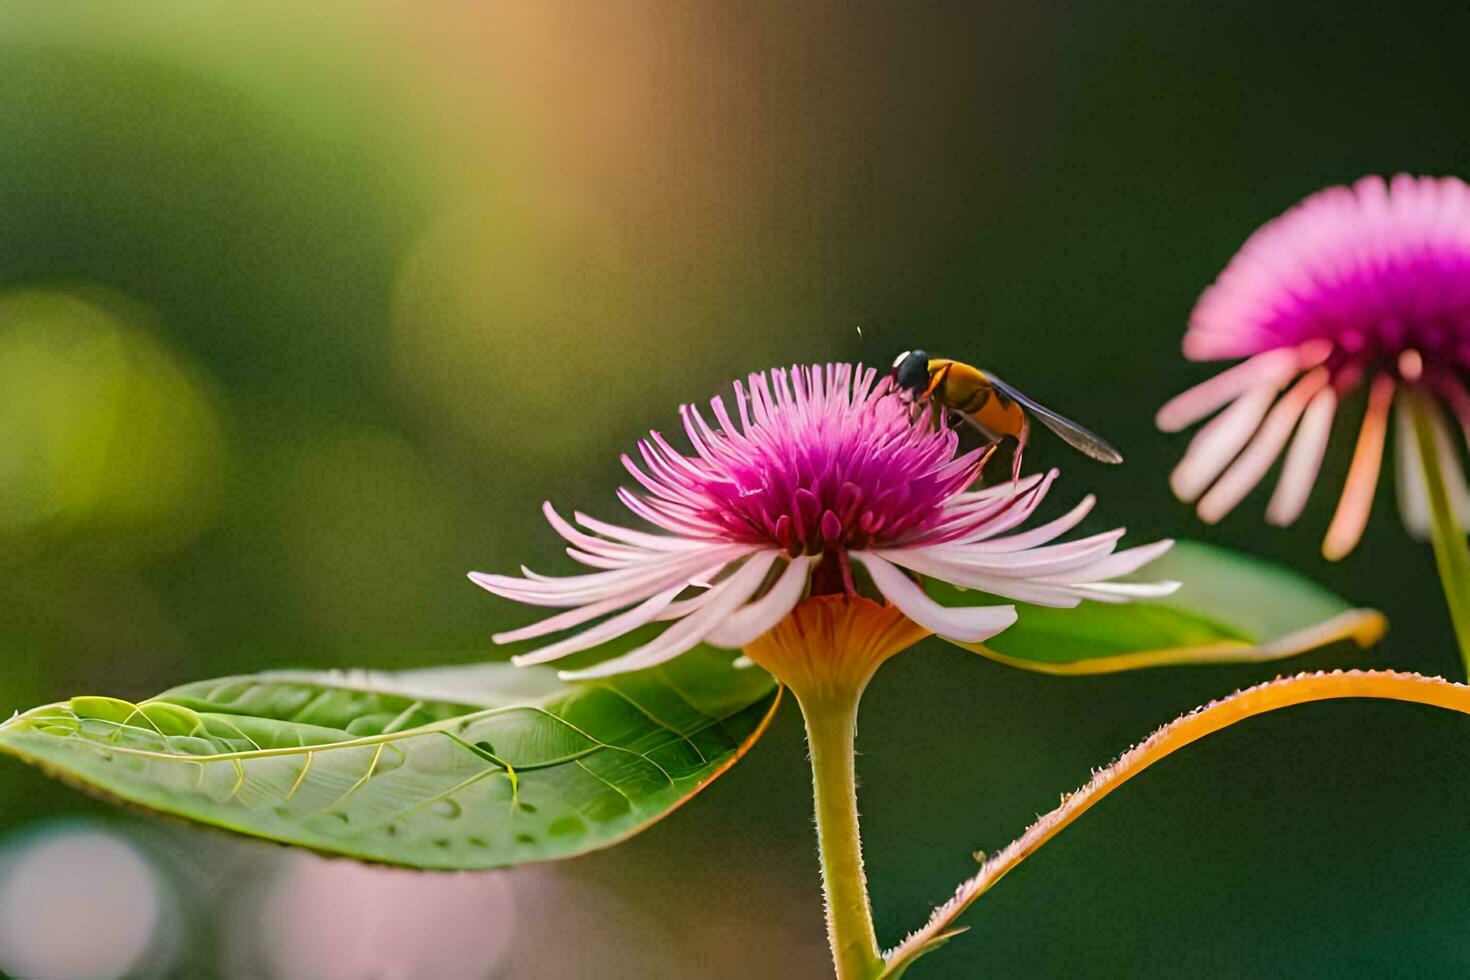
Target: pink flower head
(1367,284)
(820,467)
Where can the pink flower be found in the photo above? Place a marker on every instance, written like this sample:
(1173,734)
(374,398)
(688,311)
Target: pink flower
(819,485)
(1368,284)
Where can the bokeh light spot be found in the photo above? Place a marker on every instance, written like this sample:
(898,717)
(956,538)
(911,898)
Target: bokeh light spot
(339,919)
(77,903)
(104,433)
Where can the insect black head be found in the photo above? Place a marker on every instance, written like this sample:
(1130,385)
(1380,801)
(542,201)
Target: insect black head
(911,371)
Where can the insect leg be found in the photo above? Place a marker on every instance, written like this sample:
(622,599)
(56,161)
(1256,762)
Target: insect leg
(1021,438)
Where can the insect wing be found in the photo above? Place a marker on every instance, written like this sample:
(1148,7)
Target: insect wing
(978,426)
(1073,434)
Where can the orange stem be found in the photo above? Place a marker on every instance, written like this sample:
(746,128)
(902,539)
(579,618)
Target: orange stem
(1280,693)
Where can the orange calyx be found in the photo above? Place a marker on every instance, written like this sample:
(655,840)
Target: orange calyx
(831,644)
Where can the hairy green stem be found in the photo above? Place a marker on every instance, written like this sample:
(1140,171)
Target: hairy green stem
(831,725)
(1450,554)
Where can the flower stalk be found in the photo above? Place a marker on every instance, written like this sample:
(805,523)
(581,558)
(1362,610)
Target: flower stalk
(1451,556)
(831,726)
(825,652)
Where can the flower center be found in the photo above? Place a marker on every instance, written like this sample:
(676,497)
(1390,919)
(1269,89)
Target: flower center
(841,482)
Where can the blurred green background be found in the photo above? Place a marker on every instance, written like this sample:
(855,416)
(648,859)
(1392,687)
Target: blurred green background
(304,310)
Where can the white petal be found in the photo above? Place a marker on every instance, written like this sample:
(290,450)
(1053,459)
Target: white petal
(640,539)
(1214,446)
(1028,561)
(1040,534)
(1412,493)
(968,624)
(1303,460)
(591,560)
(1251,465)
(701,580)
(726,597)
(594,545)
(745,625)
(1187,408)
(1134,590)
(1000,490)
(1122,563)
(1015,512)
(562,621)
(550,584)
(957,573)
(632,584)
(610,629)
(1120,593)
(1063,587)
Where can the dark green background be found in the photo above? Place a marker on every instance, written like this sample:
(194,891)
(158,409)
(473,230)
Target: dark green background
(432,265)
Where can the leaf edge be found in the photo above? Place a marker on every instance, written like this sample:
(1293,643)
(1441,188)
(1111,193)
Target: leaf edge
(73,780)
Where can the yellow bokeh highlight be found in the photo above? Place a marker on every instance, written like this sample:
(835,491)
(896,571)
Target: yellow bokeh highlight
(104,433)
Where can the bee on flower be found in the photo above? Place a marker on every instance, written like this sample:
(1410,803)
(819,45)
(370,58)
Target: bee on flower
(802,530)
(819,488)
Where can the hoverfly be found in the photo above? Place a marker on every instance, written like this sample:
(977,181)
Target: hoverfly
(989,404)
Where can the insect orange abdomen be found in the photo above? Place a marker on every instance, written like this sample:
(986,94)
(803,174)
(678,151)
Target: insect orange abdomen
(962,388)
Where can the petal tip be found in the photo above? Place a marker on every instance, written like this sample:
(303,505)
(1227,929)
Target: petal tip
(1370,627)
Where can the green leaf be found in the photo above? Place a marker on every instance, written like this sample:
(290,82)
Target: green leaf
(1230,608)
(466,767)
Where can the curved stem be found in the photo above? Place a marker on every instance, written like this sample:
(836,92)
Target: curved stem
(831,725)
(1450,554)
(1222,713)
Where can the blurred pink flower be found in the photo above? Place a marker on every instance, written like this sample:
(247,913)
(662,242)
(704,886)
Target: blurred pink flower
(823,469)
(1368,284)
(330,919)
